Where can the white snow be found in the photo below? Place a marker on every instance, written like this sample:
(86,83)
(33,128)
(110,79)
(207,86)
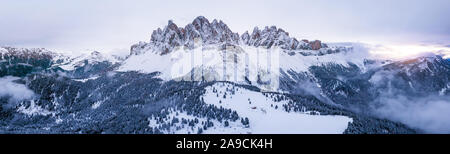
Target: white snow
(71,62)
(179,128)
(266,119)
(148,62)
(98,103)
(86,79)
(3,50)
(58,120)
(300,63)
(233,65)
(33,109)
(443,90)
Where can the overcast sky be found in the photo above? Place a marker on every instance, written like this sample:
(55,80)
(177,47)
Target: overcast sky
(111,25)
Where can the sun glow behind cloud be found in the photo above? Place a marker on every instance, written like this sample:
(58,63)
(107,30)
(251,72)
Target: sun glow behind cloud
(399,52)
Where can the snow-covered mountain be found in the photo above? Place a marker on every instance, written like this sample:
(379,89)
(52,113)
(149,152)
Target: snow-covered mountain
(21,61)
(205,78)
(216,32)
(204,51)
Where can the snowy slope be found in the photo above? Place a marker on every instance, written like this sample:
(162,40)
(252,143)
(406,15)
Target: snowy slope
(34,109)
(265,115)
(236,63)
(265,118)
(214,63)
(211,51)
(235,127)
(71,62)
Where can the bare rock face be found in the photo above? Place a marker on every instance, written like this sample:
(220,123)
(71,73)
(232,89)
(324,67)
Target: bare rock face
(217,32)
(315,45)
(272,36)
(173,36)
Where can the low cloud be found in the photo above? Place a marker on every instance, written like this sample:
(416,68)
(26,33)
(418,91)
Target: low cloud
(430,114)
(15,92)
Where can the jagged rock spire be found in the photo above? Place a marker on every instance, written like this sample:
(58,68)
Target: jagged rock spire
(217,32)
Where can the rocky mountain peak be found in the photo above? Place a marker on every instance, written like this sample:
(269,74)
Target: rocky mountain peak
(172,36)
(273,36)
(217,32)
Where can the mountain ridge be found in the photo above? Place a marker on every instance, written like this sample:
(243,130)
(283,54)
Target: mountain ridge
(94,93)
(200,30)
